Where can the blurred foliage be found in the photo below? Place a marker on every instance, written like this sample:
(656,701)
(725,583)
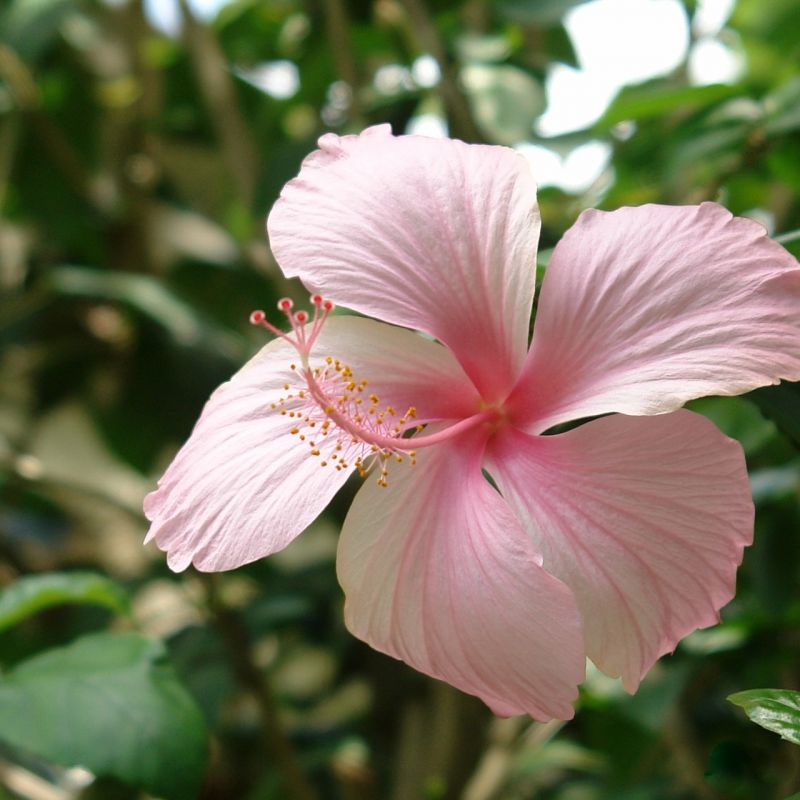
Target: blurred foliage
(136,168)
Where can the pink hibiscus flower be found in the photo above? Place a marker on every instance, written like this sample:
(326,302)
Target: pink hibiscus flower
(613,540)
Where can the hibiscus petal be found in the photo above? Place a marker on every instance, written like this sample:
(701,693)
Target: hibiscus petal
(645,519)
(243,486)
(643,309)
(431,234)
(437,572)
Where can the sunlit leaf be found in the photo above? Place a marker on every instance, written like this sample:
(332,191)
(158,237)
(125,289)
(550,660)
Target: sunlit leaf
(777,710)
(487,49)
(112,704)
(33,593)
(504,99)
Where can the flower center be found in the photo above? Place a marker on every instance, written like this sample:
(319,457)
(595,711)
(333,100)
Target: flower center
(336,414)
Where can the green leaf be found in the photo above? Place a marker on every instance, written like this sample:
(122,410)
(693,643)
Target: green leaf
(644,102)
(541,12)
(34,593)
(149,297)
(777,710)
(781,404)
(782,108)
(504,99)
(31,26)
(141,291)
(483,48)
(112,704)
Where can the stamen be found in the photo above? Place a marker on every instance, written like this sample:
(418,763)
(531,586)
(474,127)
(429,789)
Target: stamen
(330,404)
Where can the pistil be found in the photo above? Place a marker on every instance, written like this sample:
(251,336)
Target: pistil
(334,401)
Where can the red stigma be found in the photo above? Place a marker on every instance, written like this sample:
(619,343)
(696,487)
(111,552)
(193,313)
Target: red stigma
(300,338)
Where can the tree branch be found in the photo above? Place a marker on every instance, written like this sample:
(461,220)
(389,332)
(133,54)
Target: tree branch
(278,745)
(459,115)
(338,28)
(219,95)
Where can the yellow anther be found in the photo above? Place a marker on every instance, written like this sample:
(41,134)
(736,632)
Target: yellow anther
(294,431)
(328,360)
(390,411)
(412,412)
(323,463)
(315,452)
(285,385)
(373,398)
